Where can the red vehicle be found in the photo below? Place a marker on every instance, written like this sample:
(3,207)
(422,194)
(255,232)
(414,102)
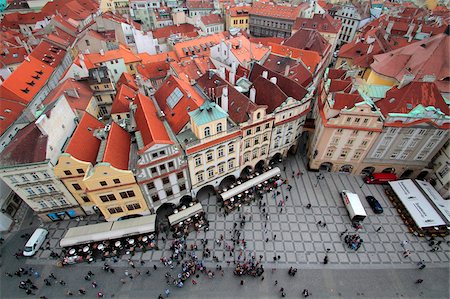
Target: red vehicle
(380,178)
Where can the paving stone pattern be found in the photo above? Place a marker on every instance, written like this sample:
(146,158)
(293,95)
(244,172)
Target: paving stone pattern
(299,240)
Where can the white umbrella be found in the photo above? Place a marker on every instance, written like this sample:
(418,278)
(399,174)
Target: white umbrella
(85,248)
(117,244)
(131,241)
(72,251)
(100,247)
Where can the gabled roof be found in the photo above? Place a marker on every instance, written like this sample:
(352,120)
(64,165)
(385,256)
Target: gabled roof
(427,57)
(322,22)
(13,20)
(310,58)
(154,70)
(166,56)
(207,113)
(181,29)
(211,19)
(288,86)
(128,80)
(239,106)
(199,4)
(200,46)
(119,19)
(49,54)
(83,145)
(416,93)
(297,70)
(117,150)
(70,88)
(77,10)
(246,51)
(28,146)
(189,100)
(9,113)
(284,12)
(26,81)
(191,69)
(308,40)
(124,96)
(11,55)
(343,100)
(121,53)
(149,123)
(239,11)
(268,94)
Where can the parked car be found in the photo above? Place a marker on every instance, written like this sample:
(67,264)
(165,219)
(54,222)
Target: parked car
(374,204)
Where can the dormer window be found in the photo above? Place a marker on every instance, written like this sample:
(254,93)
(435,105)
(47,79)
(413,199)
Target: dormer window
(219,127)
(36,77)
(207,132)
(30,83)
(40,72)
(26,90)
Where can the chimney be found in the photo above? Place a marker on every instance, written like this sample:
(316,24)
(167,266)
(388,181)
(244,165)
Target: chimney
(239,43)
(253,94)
(389,27)
(265,74)
(234,66)
(224,101)
(286,70)
(370,49)
(232,78)
(410,30)
(407,78)
(273,80)
(222,72)
(102,52)
(72,92)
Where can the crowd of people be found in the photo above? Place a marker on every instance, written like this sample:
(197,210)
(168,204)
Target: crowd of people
(194,223)
(353,241)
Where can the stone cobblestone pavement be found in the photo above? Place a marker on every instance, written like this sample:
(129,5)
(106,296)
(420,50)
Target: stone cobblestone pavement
(299,240)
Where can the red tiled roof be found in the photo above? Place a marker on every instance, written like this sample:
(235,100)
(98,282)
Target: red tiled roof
(83,145)
(297,70)
(211,19)
(268,94)
(336,73)
(122,52)
(128,80)
(310,58)
(182,29)
(26,81)
(77,10)
(285,12)
(49,54)
(124,96)
(10,111)
(199,4)
(149,123)
(117,150)
(308,40)
(239,11)
(239,106)
(213,39)
(63,22)
(178,116)
(147,58)
(322,22)
(338,85)
(266,40)
(427,57)
(13,20)
(191,69)
(66,88)
(11,55)
(154,70)
(410,96)
(288,86)
(344,100)
(119,19)
(28,146)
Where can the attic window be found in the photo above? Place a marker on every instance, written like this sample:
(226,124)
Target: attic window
(174,97)
(40,72)
(423,46)
(36,77)
(26,90)
(30,83)
(15,55)
(391,100)
(7,110)
(2,118)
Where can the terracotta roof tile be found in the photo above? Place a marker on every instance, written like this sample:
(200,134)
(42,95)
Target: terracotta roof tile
(410,96)
(117,150)
(310,58)
(28,146)
(297,70)
(285,12)
(239,11)
(11,55)
(83,145)
(10,111)
(427,57)
(268,94)
(147,58)
(338,85)
(122,52)
(124,96)
(322,22)
(200,46)
(49,54)
(182,29)
(266,40)
(128,80)
(177,116)
(211,19)
(154,70)
(308,40)
(239,106)
(288,86)
(246,51)
(336,74)
(70,89)
(344,100)
(199,4)
(191,69)
(149,123)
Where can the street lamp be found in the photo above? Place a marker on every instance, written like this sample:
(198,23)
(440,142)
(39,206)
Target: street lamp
(362,184)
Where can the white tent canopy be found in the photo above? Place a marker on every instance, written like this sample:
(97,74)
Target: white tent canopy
(108,231)
(135,226)
(439,203)
(185,214)
(250,183)
(420,209)
(85,234)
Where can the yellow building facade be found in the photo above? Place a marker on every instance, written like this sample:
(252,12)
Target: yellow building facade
(115,192)
(238,17)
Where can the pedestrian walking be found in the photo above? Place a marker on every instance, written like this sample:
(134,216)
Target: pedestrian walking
(167,292)
(242,282)
(194,282)
(308,206)
(419,281)
(276,282)
(404,243)
(94,284)
(274,237)
(262,278)
(319,222)
(378,229)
